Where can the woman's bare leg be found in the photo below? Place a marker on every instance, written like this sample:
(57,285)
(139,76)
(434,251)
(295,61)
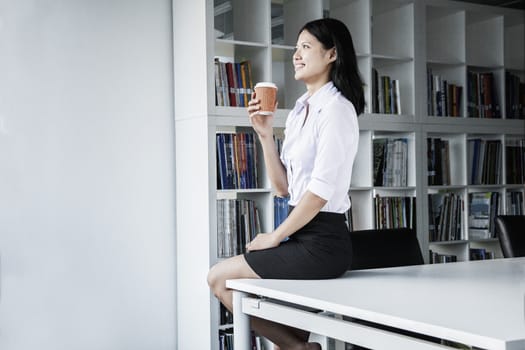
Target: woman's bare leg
(237,267)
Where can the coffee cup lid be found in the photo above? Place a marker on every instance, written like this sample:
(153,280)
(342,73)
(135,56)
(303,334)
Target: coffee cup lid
(266,84)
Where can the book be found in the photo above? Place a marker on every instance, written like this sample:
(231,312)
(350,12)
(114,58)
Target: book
(438,161)
(375,93)
(445,210)
(480,254)
(379,150)
(390,162)
(386,87)
(479,215)
(438,258)
(515,161)
(482,95)
(236,161)
(435,210)
(246,69)
(233,82)
(445,163)
(394,212)
(484,161)
(431,161)
(222,176)
(514,203)
(443,96)
(397,98)
(219,98)
(350,217)
(483,208)
(386,94)
(514,96)
(238,222)
(280,209)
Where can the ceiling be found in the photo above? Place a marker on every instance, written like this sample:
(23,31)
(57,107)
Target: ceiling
(515,4)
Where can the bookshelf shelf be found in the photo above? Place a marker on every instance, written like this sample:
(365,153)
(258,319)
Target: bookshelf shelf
(229,193)
(401,39)
(288,48)
(449,243)
(477,188)
(445,63)
(392,122)
(488,240)
(437,188)
(223,44)
(390,190)
(384,60)
(363,188)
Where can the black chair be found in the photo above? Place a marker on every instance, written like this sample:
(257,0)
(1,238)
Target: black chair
(510,229)
(385,248)
(381,248)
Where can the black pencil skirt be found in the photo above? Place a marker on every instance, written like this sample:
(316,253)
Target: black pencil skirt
(320,250)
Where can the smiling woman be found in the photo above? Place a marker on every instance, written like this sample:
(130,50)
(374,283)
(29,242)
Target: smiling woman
(313,169)
(312,62)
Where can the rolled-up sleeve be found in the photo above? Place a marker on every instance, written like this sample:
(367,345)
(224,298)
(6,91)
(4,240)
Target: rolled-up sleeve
(336,134)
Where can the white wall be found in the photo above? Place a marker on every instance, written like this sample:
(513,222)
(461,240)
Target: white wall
(87,212)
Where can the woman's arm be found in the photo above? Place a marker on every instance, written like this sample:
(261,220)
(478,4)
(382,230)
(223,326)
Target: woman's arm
(263,126)
(307,208)
(274,167)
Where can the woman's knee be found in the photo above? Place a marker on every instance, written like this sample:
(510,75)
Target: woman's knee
(231,268)
(214,279)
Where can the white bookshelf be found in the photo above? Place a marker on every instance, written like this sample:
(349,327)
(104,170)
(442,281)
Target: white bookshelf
(399,38)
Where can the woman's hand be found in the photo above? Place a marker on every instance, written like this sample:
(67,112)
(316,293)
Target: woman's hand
(263,241)
(262,124)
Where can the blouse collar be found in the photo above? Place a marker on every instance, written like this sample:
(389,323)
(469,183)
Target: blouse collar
(318,99)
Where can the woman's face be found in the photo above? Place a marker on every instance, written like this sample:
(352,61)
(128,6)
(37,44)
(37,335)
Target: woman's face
(311,61)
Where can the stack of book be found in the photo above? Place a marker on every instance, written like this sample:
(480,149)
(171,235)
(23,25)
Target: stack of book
(480,254)
(483,208)
(236,161)
(437,258)
(390,162)
(443,97)
(482,95)
(226,339)
(484,161)
(233,83)
(515,161)
(386,95)
(225,316)
(514,203)
(238,223)
(280,210)
(395,212)
(514,97)
(438,161)
(445,213)
(350,217)
(226,335)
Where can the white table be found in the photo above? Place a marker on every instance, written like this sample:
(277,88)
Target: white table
(479,303)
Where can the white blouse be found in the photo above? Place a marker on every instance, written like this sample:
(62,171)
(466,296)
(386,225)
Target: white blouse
(319,152)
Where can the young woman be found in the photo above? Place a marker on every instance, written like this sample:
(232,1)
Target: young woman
(314,170)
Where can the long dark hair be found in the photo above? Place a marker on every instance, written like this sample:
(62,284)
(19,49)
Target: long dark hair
(345,72)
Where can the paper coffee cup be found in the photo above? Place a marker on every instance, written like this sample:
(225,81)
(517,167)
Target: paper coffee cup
(266,92)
